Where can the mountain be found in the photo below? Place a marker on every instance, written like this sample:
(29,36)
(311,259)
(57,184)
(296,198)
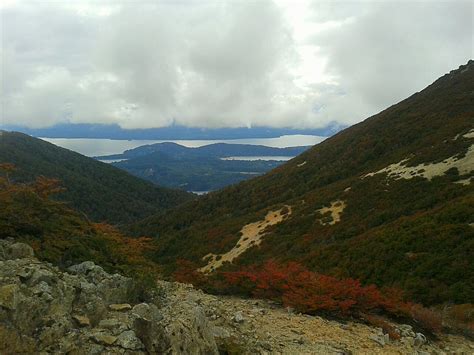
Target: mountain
(101,191)
(54,296)
(216,150)
(174,132)
(199,169)
(58,233)
(388,201)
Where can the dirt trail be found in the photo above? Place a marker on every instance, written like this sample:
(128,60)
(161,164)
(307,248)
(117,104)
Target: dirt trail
(252,234)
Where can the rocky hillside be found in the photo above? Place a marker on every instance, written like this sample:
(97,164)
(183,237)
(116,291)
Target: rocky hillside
(389,201)
(86,310)
(101,191)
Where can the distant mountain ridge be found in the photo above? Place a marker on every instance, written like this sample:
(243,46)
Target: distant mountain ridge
(199,169)
(101,191)
(216,150)
(388,201)
(175,132)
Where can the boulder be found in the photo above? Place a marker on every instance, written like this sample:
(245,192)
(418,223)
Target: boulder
(105,339)
(9,296)
(128,340)
(82,321)
(20,251)
(420,339)
(120,307)
(87,310)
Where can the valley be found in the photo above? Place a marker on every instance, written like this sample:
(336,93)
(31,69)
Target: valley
(356,212)
(236,177)
(206,168)
(99,190)
(360,244)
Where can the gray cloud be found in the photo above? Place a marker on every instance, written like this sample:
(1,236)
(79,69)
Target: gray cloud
(222,64)
(393,49)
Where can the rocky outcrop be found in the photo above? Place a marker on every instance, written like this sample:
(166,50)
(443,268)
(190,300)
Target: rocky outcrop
(85,310)
(243,326)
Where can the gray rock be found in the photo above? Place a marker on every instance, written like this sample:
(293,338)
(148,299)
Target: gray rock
(378,339)
(189,332)
(238,317)
(147,311)
(82,268)
(69,312)
(19,251)
(109,323)
(41,275)
(82,321)
(128,340)
(220,332)
(103,338)
(406,330)
(41,288)
(420,339)
(120,307)
(9,296)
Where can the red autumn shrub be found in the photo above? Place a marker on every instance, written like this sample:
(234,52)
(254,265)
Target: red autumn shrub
(459,318)
(309,292)
(427,318)
(187,273)
(306,291)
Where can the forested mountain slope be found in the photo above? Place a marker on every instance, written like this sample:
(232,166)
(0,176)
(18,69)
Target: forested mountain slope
(216,150)
(389,201)
(101,191)
(200,169)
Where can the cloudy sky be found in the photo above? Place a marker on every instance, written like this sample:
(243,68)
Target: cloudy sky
(301,64)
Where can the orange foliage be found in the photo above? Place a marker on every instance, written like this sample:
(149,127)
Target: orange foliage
(133,249)
(309,292)
(45,187)
(426,318)
(459,318)
(187,273)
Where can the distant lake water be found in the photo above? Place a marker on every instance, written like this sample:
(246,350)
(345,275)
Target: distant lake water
(255,158)
(110,161)
(95,147)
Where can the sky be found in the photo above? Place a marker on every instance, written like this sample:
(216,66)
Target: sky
(295,64)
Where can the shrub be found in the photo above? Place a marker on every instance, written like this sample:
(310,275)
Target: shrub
(308,292)
(426,318)
(378,321)
(459,318)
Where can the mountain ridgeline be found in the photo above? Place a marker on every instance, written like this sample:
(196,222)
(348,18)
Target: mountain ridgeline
(101,191)
(200,169)
(216,150)
(389,201)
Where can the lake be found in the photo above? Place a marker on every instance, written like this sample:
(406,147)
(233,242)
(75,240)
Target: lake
(95,147)
(255,158)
